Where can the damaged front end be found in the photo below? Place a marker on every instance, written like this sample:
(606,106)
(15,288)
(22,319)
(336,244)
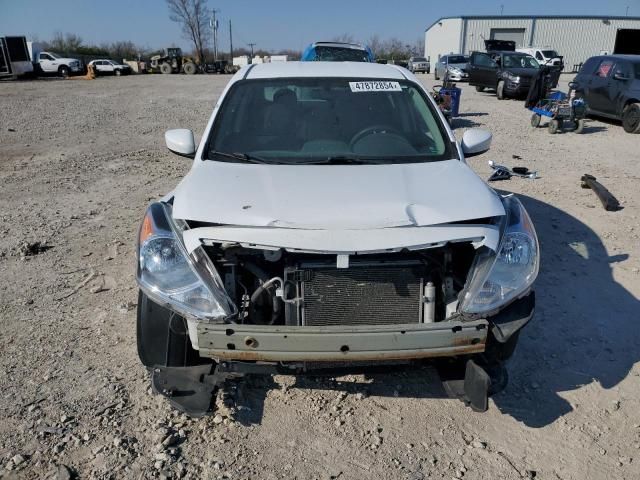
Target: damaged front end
(264,299)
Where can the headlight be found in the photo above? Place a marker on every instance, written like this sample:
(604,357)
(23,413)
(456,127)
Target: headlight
(455,71)
(513,78)
(187,284)
(496,279)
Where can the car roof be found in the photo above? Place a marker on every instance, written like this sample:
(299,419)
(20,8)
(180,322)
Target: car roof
(630,58)
(353,46)
(323,69)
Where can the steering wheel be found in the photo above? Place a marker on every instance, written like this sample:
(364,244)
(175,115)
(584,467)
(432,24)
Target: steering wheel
(374,130)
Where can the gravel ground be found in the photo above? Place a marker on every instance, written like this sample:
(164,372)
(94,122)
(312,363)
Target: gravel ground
(79,162)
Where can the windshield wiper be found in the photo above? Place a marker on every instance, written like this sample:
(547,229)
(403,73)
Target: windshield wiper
(347,160)
(243,157)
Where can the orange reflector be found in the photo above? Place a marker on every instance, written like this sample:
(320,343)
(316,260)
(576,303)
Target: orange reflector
(146,230)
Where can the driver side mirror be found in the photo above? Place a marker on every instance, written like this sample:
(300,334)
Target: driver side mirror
(180,141)
(475,141)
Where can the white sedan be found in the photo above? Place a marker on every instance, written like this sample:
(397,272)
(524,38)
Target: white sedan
(329,219)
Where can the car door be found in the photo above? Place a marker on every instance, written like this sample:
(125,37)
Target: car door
(620,80)
(597,87)
(47,63)
(482,70)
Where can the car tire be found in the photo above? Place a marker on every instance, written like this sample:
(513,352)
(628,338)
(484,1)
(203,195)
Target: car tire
(189,68)
(535,120)
(435,75)
(579,126)
(555,126)
(117,72)
(479,89)
(631,118)
(500,90)
(63,71)
(166,69)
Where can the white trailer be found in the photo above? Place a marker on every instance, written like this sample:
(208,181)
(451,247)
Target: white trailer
(15,60)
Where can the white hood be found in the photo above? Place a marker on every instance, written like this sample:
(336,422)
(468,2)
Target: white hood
(333,197)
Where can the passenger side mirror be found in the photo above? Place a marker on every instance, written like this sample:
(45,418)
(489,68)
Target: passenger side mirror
(620,76)
(180,141)
(475,141)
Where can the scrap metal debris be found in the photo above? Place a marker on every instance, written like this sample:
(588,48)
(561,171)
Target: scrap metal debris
(609,202)
(505,173)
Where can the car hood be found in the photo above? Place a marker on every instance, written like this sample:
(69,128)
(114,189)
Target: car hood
(341,197)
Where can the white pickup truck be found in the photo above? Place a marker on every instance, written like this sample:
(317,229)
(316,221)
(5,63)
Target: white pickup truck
(49,62)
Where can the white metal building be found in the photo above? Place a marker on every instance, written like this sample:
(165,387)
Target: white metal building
(575,38)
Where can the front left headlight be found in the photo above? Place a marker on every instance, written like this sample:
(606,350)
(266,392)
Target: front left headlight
(513,78)
(455,71)
(186,283)
(496,279)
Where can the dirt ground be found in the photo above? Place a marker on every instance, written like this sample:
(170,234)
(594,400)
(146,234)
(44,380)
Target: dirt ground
(79,162)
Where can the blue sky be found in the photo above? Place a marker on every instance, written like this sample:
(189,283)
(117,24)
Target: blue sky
(271,24)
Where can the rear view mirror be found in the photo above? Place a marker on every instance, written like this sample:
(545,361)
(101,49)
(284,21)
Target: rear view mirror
(475,141)
(180,141)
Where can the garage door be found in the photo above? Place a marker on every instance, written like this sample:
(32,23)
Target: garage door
(514,34)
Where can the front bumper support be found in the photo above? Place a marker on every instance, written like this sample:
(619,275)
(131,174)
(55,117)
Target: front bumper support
(268,343)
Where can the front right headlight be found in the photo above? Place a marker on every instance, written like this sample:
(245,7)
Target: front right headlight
(187,284)
(513,78)
(497,279)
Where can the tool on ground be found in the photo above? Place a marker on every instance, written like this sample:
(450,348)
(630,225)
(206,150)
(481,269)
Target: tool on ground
(609,202)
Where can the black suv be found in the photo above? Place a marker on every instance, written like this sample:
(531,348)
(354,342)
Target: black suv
(610,85)
(501,68)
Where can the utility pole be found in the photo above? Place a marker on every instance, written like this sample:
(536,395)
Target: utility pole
(214,26)
(501,9)
(251,45)
(230,44)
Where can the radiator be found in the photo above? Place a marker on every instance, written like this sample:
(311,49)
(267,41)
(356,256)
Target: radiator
(367,294)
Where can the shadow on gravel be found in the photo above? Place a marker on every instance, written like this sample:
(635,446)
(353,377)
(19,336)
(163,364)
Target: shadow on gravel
(457,122)
(586,329)
(586,324)
(472,114)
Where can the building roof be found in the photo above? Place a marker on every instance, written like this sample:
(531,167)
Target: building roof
(530,17)
(323,69)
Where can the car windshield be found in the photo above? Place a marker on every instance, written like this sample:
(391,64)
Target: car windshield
(458,59)
(419,59)
(519,61)
(327,120)
(549,53)
(340,54)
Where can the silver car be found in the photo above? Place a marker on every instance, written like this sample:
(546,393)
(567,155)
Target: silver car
(455,65)
(419,64)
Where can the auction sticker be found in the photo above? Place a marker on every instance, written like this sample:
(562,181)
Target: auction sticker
(375,86)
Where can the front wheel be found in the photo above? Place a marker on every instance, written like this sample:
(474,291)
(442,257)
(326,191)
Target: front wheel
(631,118)
(579,126)
(535,120)
(555,126)
(118,72)
(500,90)
(435,75)
(63,71)
(166,69)
(189,68)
